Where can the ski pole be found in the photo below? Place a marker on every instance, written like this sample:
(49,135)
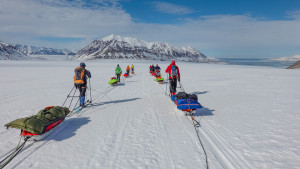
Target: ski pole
(167,84)
(90,90)
(68,96)
(181,86)
(72,98)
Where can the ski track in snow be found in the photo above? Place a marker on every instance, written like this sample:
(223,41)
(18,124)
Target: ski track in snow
(135,125)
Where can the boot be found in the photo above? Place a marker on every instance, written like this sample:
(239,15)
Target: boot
(82,98)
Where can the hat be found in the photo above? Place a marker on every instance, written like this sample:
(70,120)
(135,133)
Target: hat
(82,64)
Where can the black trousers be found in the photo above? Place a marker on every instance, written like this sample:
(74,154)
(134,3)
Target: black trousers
(173,85)
(82,89)
(118,76)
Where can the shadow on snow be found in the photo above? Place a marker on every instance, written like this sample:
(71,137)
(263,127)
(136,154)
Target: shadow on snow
(198,93)
(72,125)
(115,101)
(204,112)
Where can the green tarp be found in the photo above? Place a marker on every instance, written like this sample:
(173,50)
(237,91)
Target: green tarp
(36,124)
(159,79)
(112,81)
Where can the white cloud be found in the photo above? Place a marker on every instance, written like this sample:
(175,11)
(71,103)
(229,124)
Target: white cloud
(40,18)
(172,8)
(27,21)
(294,14)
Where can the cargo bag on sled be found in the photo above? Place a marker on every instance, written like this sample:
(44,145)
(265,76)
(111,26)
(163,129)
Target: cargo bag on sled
(45,120)
(186,101)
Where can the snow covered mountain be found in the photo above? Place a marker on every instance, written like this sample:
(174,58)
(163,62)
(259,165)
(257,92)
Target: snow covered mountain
(10,52)
(33,50)
(117,47)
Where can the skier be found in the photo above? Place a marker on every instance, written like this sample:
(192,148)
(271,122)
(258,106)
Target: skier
(157,67)
(174,75)
(157,71)
(132,69)
(80,81)
(128,69)
(118,72)
(152,68)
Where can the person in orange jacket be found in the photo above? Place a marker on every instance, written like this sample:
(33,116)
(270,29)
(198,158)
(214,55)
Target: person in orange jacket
(174,75)
(128,69)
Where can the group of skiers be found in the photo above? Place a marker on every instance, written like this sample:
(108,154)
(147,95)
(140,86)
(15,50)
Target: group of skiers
(81,75)
(174,75)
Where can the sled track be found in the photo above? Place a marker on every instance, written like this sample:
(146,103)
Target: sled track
(216,146)
(221,149)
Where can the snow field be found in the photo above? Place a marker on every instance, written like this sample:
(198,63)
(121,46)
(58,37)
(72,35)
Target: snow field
(250,117)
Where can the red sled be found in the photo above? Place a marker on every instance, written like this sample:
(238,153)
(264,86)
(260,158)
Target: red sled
(49,128)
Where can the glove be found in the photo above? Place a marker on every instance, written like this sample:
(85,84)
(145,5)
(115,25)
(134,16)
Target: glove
(178,79)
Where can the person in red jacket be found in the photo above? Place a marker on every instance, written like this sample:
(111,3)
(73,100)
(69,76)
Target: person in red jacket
(174,75)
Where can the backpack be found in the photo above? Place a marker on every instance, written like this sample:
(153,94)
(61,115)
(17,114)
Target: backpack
(174,71)
(79,75)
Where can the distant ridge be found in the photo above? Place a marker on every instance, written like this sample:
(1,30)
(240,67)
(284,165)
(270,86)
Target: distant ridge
(295,65)
(33,50)
(117,47)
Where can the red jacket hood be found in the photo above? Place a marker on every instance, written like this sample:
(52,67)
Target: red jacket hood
(173,62)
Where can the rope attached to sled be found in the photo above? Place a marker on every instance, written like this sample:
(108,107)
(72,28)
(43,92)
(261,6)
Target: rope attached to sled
(196,125)
(13,154)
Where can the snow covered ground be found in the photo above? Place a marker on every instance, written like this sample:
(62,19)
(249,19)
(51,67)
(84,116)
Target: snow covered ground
(250,117)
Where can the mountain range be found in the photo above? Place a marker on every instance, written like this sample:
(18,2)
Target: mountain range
(33,50)
(117,47)
(10,52)
(21,52)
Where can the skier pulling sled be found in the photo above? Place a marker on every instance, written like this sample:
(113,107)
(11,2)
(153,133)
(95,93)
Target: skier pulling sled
(80,81)
(187,103)
(158,77)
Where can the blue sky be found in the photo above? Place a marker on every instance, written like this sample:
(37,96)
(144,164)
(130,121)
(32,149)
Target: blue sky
(172,11)
(218,28)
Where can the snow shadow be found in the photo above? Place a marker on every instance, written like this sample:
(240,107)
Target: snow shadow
(130,81)
(204,112)
(68,131)
(163,82)
(198,93)
(115,101)
(120,84)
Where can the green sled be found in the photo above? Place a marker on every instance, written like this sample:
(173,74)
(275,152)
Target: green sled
(113,81)
(160,79)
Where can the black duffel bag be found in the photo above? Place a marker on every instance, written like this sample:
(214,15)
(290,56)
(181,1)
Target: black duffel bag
(181,95)
(193,96)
